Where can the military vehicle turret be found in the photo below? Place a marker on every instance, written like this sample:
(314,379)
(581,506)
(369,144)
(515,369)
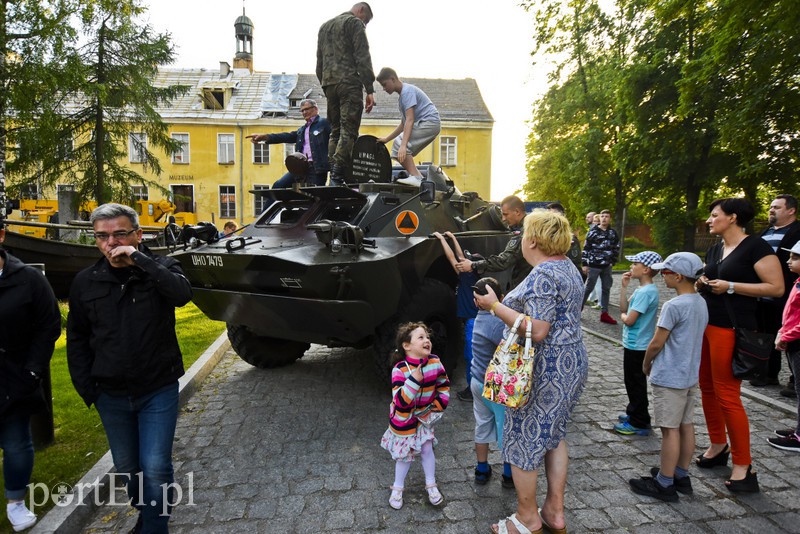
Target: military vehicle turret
(339,266)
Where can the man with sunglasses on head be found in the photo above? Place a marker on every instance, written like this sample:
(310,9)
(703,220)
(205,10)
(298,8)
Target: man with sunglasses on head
(124,358)
(311,140)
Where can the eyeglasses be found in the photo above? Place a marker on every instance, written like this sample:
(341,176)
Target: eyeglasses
(117,235)
(666,272)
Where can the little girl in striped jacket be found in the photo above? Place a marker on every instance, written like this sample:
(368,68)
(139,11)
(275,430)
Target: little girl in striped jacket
(420,389)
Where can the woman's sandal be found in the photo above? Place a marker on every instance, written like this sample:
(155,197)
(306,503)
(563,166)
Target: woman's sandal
(434,496)
(548,528)
(396,498)
(720,459)
(748,484)
(502,526)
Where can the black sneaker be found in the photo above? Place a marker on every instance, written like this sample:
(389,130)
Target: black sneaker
(508,482)
(786,444)
(648,486)
(785,433)
(683,485)
(789,392)
(465,394)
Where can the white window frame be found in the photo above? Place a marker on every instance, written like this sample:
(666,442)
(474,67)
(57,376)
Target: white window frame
(226,207)
(137,154)
(448,150)
(226,148)
(140,192)
(181,156)
(65,147)
(260,202)
(261,152)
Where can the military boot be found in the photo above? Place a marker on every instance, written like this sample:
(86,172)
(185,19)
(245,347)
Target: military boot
(338,173)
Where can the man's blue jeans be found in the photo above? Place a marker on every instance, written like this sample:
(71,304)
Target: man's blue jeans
(604,273)
(140,433)
(15,440)
(287,180)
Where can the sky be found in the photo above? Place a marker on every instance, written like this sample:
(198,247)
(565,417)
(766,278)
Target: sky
(418,38)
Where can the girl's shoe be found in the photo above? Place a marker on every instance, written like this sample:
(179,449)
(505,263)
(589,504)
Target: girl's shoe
(749,484)
(434,497)
(396,498)
(719,459)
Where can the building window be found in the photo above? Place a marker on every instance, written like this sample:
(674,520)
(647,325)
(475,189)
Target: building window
(288,148)
(65,148)
(182,154)
(137,147)
(227,201)
(225,152)
(261,201)
(139,192)
(448,146)
(260,153)
(213,99)
(29,191)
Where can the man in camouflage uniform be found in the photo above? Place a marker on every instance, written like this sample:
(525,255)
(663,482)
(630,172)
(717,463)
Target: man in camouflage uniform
(344,68)
(513,210)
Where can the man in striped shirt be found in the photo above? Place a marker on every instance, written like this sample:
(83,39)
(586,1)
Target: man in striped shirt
(783,233)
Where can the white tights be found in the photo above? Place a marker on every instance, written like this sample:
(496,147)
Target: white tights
(428,466)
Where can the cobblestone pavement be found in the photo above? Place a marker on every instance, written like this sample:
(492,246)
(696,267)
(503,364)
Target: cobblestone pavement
(297,449)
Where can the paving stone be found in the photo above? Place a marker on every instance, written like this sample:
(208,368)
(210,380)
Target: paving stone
(262,461)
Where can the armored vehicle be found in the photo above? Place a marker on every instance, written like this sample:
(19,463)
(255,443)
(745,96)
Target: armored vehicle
(341,266)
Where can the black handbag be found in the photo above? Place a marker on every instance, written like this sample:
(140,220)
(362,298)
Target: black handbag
(751,351)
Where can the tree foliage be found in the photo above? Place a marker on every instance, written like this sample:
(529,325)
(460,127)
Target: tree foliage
(103,93)
(660,105)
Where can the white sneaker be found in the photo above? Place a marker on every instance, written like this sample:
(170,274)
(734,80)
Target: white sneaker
(411,180)
(19,516)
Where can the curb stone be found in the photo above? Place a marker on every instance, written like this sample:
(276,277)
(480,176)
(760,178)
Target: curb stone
(72,518)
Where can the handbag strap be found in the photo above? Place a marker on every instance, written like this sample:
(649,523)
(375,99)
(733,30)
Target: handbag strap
(728,306)
(512,334)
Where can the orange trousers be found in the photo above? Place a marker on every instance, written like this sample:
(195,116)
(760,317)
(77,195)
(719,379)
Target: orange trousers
(721,394)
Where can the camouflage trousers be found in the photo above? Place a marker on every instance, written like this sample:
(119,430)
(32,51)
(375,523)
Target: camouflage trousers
(345,105)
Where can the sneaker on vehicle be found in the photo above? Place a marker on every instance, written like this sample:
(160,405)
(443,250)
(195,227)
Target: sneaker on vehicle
(411,180)
(19,516)
(627,429)
(606,318)
(792,443)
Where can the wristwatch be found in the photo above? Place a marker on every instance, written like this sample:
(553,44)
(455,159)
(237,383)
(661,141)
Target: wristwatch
(730,288)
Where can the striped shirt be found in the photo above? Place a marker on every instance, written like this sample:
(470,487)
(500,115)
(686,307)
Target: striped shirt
(408,395)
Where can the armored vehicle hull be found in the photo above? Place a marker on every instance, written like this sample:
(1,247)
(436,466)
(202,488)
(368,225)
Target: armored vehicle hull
(341,267)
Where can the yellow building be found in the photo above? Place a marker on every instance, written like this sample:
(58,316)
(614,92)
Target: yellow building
(218,166)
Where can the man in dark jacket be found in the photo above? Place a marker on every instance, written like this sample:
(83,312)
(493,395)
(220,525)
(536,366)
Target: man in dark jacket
(783,232)
(30,323)
(600,251)
(344,69)
(124,358)
(513,210)
(311,140)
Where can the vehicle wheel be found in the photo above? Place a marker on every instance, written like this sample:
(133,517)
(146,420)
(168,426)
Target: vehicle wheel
(435,305)
(264,352)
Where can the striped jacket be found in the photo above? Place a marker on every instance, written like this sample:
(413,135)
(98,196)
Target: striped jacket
(408,395)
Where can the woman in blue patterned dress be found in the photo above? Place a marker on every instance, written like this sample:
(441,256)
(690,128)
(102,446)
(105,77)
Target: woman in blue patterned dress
(551,297)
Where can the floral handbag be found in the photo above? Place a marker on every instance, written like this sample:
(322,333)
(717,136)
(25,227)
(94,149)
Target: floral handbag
(509,376)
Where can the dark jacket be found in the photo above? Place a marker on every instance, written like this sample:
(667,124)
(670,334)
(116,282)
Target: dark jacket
(318,139)
(343,53)
(121,336)
(601,247)
(30,323)
(510,257)
(791,237)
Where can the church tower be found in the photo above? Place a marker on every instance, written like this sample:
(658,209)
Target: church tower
(244,43)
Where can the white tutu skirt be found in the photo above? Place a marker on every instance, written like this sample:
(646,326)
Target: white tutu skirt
(405,448)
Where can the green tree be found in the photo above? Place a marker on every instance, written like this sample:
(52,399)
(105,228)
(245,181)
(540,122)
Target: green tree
(34,35)
(108,106)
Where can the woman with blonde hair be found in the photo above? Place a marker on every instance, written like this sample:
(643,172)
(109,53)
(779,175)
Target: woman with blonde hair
(550,298)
